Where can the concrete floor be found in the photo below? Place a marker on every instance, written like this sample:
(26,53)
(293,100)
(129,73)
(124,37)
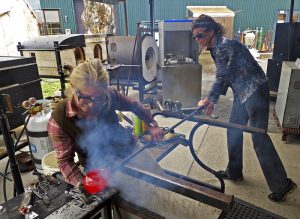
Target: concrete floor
(210,143)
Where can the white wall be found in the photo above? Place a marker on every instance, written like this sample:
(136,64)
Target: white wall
(17,24)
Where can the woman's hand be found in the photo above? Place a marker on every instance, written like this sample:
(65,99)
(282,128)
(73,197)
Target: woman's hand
(156,133)
(207,104)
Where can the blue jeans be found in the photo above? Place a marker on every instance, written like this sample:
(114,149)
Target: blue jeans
(255,110)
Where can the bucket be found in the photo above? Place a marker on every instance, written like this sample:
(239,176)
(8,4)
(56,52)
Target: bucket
(49,163)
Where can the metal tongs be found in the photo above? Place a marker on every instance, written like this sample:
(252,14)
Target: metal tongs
(25,207)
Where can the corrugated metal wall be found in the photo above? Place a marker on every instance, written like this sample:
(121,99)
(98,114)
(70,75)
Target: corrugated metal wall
(66,12)
(249,13)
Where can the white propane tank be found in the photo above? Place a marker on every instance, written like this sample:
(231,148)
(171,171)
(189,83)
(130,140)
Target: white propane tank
(38,137)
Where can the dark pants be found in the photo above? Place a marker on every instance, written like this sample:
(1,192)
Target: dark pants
(256,110)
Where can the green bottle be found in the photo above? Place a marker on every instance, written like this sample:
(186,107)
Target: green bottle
(138,130)
(259,41)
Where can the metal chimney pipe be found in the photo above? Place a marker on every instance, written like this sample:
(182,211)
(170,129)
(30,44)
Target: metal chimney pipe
(291,11)
(151,2)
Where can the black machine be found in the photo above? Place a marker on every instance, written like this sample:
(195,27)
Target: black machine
(287,41)
(20,80)
(286,48)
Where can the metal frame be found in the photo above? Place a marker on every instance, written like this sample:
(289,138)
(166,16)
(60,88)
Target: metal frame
(56,49)
(186,186)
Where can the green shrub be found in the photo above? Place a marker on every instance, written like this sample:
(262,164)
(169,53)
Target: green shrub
(49,86)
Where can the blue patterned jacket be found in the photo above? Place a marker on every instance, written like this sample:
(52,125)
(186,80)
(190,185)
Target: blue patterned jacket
(236,68)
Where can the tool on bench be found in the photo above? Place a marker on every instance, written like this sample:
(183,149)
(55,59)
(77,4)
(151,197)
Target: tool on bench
(25,205)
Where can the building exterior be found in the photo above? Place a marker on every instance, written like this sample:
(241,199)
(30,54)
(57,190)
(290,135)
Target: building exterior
(16,17)
(252,14)
(61,17)
(51,17)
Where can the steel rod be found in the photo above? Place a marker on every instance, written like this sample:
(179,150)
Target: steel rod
(212,122)
(291,11)
(183,120)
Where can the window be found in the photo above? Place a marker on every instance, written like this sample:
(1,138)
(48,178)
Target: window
(79,55)
(49,21)
(98,51)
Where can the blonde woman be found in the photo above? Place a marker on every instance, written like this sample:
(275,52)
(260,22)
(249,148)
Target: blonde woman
(86,123)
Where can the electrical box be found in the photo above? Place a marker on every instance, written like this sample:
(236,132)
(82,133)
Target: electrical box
(287,103)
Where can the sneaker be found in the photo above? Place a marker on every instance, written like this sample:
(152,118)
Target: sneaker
(279,197)
(225,175)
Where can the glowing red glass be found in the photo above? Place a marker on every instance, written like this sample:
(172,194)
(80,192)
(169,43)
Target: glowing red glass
(95,181)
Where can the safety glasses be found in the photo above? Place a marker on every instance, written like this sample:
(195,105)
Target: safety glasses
(199,35)
(87,100)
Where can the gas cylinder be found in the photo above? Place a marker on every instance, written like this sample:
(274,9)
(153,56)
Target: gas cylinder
(38,137)
(259,41)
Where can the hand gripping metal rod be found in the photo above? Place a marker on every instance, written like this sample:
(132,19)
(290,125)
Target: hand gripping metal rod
(183,120)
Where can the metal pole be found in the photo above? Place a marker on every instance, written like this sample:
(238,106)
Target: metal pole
(11,153)
(126,19)
(151,2)
(290,30)
(291,11)
(59,68)
(139,55)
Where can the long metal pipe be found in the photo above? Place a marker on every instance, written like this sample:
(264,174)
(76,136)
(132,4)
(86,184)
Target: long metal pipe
(290,30)
(126,19)
(59,68)
(212,122)
(151,2)
(291,11)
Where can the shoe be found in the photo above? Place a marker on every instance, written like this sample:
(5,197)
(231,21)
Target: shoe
(279,197)
(225,175)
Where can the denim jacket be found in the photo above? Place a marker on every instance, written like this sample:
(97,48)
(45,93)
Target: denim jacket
(236,68)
